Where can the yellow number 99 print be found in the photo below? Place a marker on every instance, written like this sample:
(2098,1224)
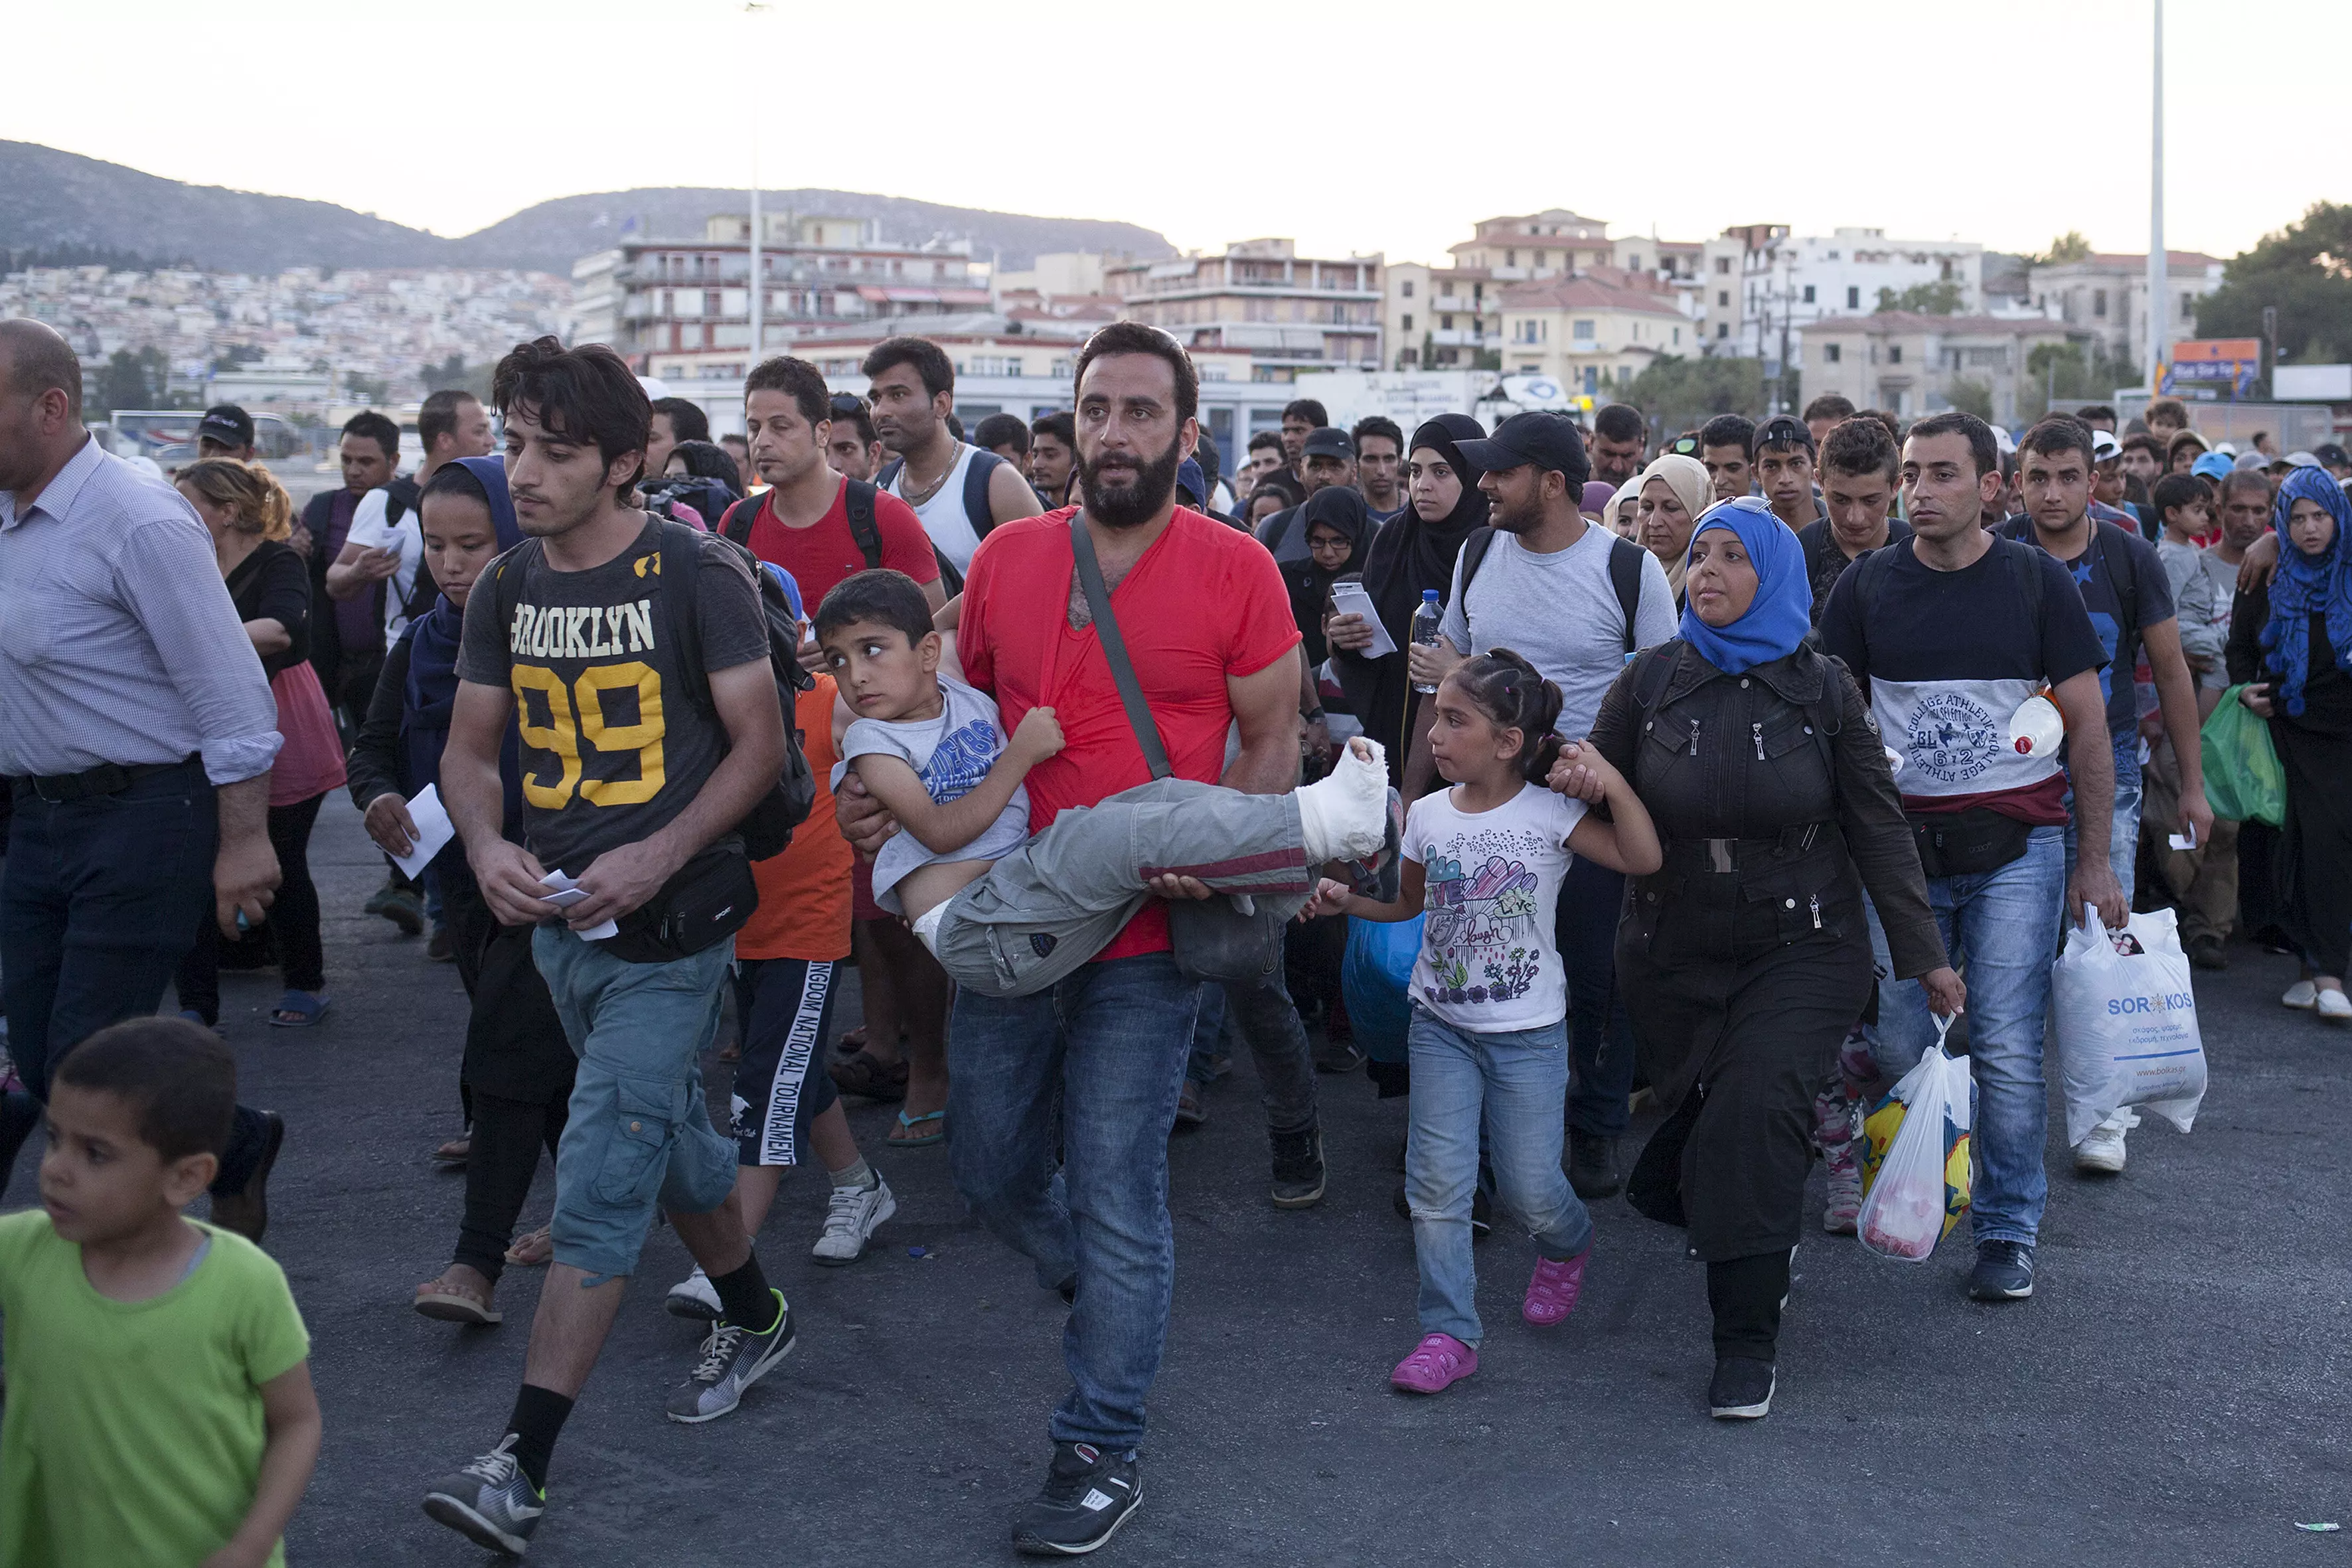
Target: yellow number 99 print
(560,735)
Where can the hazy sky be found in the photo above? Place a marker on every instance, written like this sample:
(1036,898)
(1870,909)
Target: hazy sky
(1350,124)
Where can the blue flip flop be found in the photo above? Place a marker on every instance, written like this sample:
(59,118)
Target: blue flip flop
(909,1123)
(307,1006)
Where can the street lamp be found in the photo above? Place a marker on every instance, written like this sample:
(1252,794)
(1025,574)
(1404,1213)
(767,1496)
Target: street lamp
(758,292)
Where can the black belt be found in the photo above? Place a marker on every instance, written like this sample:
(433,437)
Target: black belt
(107,778)
(1726,855)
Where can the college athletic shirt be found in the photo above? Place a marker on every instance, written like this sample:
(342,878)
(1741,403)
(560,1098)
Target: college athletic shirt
(1947,657)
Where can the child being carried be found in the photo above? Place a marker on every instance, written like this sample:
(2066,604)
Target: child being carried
(1008,914)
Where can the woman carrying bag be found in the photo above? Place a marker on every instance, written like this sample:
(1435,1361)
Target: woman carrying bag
(1747,957)
(2292,639)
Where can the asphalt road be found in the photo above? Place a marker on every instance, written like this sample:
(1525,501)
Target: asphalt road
(2175,1394)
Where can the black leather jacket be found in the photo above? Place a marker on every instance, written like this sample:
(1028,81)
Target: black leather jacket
(1740,775)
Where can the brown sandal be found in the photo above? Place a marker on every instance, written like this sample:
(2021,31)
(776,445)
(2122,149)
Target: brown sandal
(451,1302)
(453,1155)
(868,1075)
(534,1250)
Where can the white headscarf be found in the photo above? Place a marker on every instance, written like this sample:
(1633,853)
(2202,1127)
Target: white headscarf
(1687,477)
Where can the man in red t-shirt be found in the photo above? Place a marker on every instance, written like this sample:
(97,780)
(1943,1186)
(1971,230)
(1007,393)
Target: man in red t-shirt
(1208,626)
(801,523)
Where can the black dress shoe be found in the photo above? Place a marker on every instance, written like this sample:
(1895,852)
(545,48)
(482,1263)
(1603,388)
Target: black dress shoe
(1592,1166)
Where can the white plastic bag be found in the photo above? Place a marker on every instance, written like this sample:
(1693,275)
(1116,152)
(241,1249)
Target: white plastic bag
(2126,1022)
(1917,1162)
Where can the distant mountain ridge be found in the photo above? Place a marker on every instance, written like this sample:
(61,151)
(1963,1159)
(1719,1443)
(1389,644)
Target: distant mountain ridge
(56,201)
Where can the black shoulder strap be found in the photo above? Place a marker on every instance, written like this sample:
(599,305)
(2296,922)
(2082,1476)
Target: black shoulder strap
(678,566)
(1625,576)
(1655,666)
(858,502)
(1473,555)
(1114,646)
(883,480)
(976,510)
(2124,585)
(741,518)
(2025,569)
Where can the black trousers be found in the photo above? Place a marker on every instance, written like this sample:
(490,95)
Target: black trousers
(98,903)
(294,917)
(508,1136)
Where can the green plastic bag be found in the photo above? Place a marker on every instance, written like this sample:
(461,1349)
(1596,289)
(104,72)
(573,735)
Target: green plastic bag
(2243,781)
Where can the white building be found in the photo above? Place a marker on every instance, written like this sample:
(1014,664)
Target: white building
(2106,295)
(1760,286)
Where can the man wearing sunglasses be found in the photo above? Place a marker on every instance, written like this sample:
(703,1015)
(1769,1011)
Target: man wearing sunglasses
(853,450)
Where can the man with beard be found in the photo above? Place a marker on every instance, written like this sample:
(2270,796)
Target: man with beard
(1620,438)
(1208,628)
(1574,600)
(957,489)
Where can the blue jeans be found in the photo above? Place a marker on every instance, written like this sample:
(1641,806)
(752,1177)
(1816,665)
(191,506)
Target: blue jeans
(637,1134)
(1590,895)
(1113,1038)
(2003,925)
(1515,1083)
(2123,828)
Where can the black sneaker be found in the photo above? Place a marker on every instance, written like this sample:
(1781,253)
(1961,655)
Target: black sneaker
(1592,1165)
(1298,1168)
(490,1502)
(246,1210)
(2004,1272)
(1741,1389)
(733,1359)
(1088,1494)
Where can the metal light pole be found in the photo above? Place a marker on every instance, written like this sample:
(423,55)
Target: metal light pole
(758,292)
(2159,314)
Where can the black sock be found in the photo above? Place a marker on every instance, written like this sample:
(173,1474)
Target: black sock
(744,1297)
(537,1421)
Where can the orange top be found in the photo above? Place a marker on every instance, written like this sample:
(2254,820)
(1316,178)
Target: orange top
(804,893)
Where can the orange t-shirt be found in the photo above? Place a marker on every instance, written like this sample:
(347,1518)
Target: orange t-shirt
(804,893)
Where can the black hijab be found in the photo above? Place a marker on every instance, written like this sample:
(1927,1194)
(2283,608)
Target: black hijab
(1411,553)
(1341,509)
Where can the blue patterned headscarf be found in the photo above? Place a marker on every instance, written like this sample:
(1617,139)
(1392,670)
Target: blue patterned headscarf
(1782,610)
(2308,586)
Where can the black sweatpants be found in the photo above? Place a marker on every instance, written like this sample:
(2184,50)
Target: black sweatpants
(293,917)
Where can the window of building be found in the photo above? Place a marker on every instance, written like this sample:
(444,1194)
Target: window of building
(1405,289)
(1852,298)
(1723,264)
(2098,301)
(1723,328)
(1408,321)
(1895,353)
(1529,367)
(1633,263)
(1809,293)
(1678,337)
(1582,331)
(1833,353)
(1409,356)
(1723,298)
(1510,259)
(710,301)
(2187,307)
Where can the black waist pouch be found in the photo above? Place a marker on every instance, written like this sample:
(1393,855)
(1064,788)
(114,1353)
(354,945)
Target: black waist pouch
(706,903)
(1967,842)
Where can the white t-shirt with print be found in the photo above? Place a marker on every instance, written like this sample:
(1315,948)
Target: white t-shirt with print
(1488,964)
(405,537)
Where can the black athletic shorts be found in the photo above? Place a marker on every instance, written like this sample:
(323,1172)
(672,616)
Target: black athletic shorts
(781,1085)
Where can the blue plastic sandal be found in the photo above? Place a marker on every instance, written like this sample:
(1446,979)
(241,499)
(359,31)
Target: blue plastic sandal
(306,1006)
(909,1123)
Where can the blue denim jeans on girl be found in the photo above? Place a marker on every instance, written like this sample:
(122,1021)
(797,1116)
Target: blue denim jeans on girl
(1516,1084)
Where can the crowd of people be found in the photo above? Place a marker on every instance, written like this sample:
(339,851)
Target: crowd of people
(1689,751)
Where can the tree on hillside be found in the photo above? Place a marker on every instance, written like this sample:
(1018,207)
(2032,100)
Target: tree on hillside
(2304,271)
(1680,393)
(2068,246)
(130,379)
(1922,299)
(2058,371)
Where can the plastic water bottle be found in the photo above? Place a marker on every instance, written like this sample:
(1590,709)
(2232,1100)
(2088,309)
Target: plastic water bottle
(1425,621)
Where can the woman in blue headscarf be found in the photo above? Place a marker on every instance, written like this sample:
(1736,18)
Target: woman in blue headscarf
(1746,957)
(515,1077)
(2293,642)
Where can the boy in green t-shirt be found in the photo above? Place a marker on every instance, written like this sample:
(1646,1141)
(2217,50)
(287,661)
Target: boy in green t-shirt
(160,1407)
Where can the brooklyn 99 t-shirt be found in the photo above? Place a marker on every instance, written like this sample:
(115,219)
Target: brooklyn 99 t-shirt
(614,744)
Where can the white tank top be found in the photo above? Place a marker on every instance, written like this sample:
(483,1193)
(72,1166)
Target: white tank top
(943,516)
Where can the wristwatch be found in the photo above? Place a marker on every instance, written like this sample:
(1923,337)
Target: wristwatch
(1313,716)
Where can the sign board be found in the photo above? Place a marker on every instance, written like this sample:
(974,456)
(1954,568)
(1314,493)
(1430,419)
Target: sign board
(2312,382)
(1409,397)
(2209,365)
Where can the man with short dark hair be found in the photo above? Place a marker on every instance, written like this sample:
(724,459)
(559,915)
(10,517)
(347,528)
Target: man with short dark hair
(139,730)
(1326,458)
(1949,633)
(1860,467)
(226,431)
(1783,461)
(369,450)
(1557,589)
(739,448)
(1825,413)
(1053,454)
(1268,453)
(852,450)
(645,745)
(960,491)
(1301,417)
(1380,460)
(1006,435)
(1724,443)
(676,419)
(2098,417)
(1620,438)
(1092,1069)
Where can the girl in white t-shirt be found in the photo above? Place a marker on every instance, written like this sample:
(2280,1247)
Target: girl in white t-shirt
(1489,1034)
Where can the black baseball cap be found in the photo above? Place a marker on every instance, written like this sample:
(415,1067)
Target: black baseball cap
(1781,430)
(227,424)
(1545,439)
(1328,441)
(2331,455)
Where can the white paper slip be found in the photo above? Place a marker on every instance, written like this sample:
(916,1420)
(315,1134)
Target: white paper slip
(433,831)
(1355,599)
(564,892)
(2184,840)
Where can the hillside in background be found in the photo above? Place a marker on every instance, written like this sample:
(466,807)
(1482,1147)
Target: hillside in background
(64,203)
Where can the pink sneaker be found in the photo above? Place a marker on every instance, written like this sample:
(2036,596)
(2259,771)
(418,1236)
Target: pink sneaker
(1552,1289)
(1436,1363)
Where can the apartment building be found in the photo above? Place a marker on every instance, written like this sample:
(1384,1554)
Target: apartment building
(2106,295)
(683,296)
(1912,364)
(1760,285)
(1442,317)
(1590,335)
(1258,310)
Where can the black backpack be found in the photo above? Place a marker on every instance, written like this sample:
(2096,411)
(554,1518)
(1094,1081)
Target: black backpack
(1624,573)
(768,827)
(709,498)
(858,502)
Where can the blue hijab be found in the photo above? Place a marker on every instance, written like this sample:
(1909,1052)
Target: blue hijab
(2308,586)
(1782,610)
(434,638)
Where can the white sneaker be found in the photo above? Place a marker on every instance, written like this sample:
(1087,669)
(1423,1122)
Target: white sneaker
(2301,995)
(693,1296)
(2335,1006)
(850,1218)
(2102,1149)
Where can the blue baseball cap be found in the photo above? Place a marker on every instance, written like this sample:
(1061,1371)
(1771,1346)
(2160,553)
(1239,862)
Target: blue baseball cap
(791,589)
(1192,482)
(2214,466)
